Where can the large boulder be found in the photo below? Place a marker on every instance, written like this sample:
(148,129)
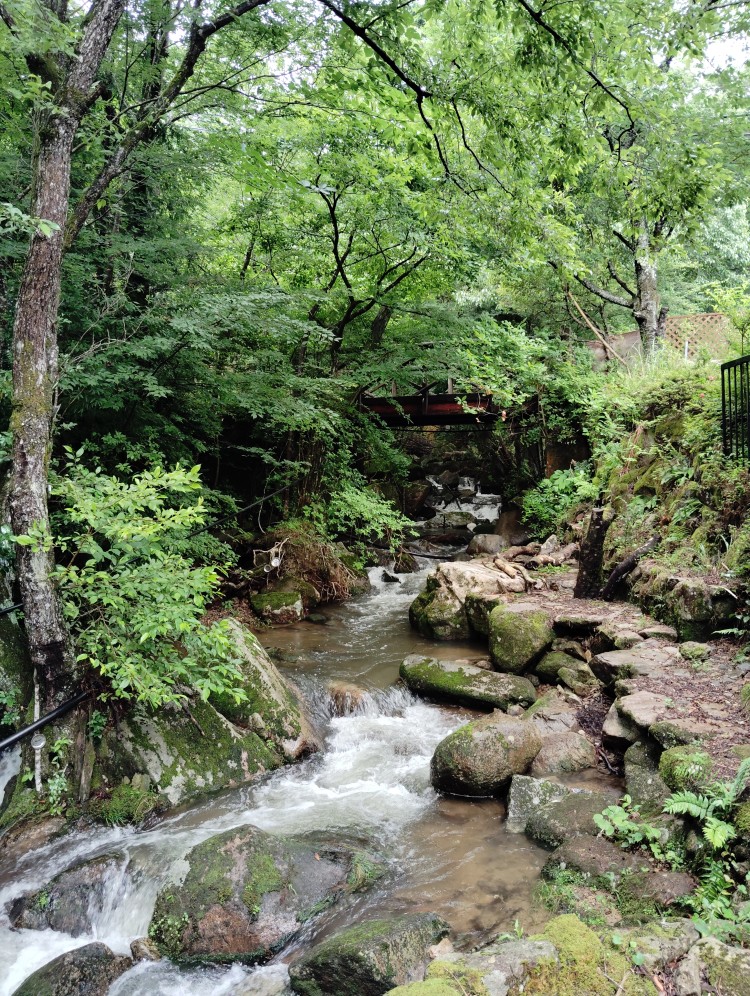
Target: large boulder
(278,607)
(211,745)
(480,758)
(70,900)
(564,754)
(572,816)
(440,611)
(246,893)
(87,971)
(464,684)
(369,959)
(270,707)
(519,636)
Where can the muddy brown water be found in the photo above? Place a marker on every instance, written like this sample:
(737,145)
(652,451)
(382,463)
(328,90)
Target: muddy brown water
(371,782)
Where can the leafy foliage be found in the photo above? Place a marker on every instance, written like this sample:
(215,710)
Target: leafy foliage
(133,598)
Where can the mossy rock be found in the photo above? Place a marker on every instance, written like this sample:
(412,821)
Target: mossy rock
(685,768)
(269,707)
(185,754)
(87,971)
(246,893)
(556,822)
(480,758)
(463,684)
(437,614)
(518,639)
(584,965)
(742,819)
(15,668)
(126,804)
(643,781)
(549,666)
(478,608)
(726,968)
(430,987)
(278,606)
(579,678)
(370,958)
(671,734)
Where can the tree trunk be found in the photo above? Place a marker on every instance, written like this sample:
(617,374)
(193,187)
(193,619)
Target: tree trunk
(589,580)
(35,372)
(649,315)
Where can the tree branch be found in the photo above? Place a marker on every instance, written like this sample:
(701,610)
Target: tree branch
(537,18)
(360,32)
(7,18)
(605,295)
(628,243)
(618,279)
(196,44)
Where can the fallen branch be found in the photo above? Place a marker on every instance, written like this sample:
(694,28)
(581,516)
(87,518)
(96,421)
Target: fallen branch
(625,567)
(597,332)
(530,550)
(554,559)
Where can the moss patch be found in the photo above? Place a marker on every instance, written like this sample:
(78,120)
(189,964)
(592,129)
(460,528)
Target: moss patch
(684,768)
(264,877)
(518,639)
(126,804)
(586,965)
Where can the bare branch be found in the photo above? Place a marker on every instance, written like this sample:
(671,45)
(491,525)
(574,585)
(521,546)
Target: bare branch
(628,243)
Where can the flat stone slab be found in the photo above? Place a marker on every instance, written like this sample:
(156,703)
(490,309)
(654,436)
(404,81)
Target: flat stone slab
(659,631)
(646,658)
(645,708)
(595,857)
(465,684)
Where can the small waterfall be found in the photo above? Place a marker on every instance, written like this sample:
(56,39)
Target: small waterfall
(465,497)
(10,765)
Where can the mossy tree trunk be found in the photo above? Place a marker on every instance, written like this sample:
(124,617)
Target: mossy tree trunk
(72,84)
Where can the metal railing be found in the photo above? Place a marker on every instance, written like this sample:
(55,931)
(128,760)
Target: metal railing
(735,407)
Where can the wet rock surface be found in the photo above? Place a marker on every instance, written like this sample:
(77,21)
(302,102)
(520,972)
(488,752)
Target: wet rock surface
(87,971)
(480,758)
(369,959)
(70,900)
(246,893)
(464,684)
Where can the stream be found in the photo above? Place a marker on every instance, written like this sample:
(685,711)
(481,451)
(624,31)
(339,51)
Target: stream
(371,783)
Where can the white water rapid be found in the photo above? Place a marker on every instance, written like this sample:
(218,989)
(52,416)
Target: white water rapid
(370,781)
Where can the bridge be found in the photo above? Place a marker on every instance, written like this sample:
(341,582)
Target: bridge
(423,407)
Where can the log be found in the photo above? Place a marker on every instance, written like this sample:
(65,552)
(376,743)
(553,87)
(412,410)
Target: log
(554,559)
(530,550)
(625,567)
(589,580)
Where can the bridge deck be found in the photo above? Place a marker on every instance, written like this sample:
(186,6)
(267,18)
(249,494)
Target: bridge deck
(404,411)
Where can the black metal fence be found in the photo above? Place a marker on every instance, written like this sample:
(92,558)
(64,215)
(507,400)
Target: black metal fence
(735,407)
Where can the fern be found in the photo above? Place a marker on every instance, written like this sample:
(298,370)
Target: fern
(717,832)
(687,803)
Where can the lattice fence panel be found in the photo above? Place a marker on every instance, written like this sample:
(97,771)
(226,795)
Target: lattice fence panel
(709,331)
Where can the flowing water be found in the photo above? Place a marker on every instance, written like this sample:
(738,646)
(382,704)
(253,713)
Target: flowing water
(371,782)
